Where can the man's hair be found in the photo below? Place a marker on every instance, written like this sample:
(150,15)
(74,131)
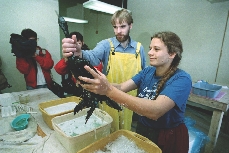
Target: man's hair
(28,33)
(78,35)
(121,16)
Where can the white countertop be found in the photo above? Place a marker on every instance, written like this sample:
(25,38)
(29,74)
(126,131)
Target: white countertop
(37,144)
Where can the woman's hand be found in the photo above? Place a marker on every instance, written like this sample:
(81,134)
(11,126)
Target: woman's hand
(70,47)
(98,85)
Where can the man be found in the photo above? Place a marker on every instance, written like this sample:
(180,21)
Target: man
(36,67)
(122,57)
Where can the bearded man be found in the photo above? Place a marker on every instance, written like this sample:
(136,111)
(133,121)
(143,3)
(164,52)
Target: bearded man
(121,56)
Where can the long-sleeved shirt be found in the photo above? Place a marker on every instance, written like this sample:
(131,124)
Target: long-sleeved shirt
(102,50)
(28,67)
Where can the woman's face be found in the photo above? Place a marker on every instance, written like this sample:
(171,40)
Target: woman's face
(158,54)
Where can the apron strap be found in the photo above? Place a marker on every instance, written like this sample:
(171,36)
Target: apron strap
(138,49)
(112,47)
(113,51)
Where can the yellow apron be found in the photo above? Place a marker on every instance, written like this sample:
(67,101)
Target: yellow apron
(121,67)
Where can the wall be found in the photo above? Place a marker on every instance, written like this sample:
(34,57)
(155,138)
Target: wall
(223,73)
(200,25)
(99,27)
(71,9)
(38,15)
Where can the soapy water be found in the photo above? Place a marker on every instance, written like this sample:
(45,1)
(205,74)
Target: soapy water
(77,126)
(60,108)
(121,144)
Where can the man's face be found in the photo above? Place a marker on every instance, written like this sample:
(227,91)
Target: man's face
(122,31)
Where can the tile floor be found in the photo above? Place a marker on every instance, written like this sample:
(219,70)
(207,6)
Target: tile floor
(202,120)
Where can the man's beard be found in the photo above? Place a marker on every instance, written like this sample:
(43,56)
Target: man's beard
(123,38)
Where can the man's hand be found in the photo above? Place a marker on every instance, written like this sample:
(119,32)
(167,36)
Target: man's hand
(70,47)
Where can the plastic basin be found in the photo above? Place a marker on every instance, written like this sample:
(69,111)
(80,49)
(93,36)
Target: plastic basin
(20,122)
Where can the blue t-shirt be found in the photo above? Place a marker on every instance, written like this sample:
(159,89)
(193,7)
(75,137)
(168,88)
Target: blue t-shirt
(177,88)
(102,51)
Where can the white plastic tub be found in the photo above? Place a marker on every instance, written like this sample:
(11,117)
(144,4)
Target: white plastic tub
(74,143)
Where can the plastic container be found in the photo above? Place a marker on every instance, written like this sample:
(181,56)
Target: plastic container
(8,111)
(197,138)
(205,89)
(24,98)
(47,117)
(7,99)
(142,142)
(75,143)
(20,122)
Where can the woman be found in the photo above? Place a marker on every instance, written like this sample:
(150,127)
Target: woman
(163,93)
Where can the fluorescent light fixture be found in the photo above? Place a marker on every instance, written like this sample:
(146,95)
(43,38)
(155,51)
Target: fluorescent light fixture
(75,20)
(101,6)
